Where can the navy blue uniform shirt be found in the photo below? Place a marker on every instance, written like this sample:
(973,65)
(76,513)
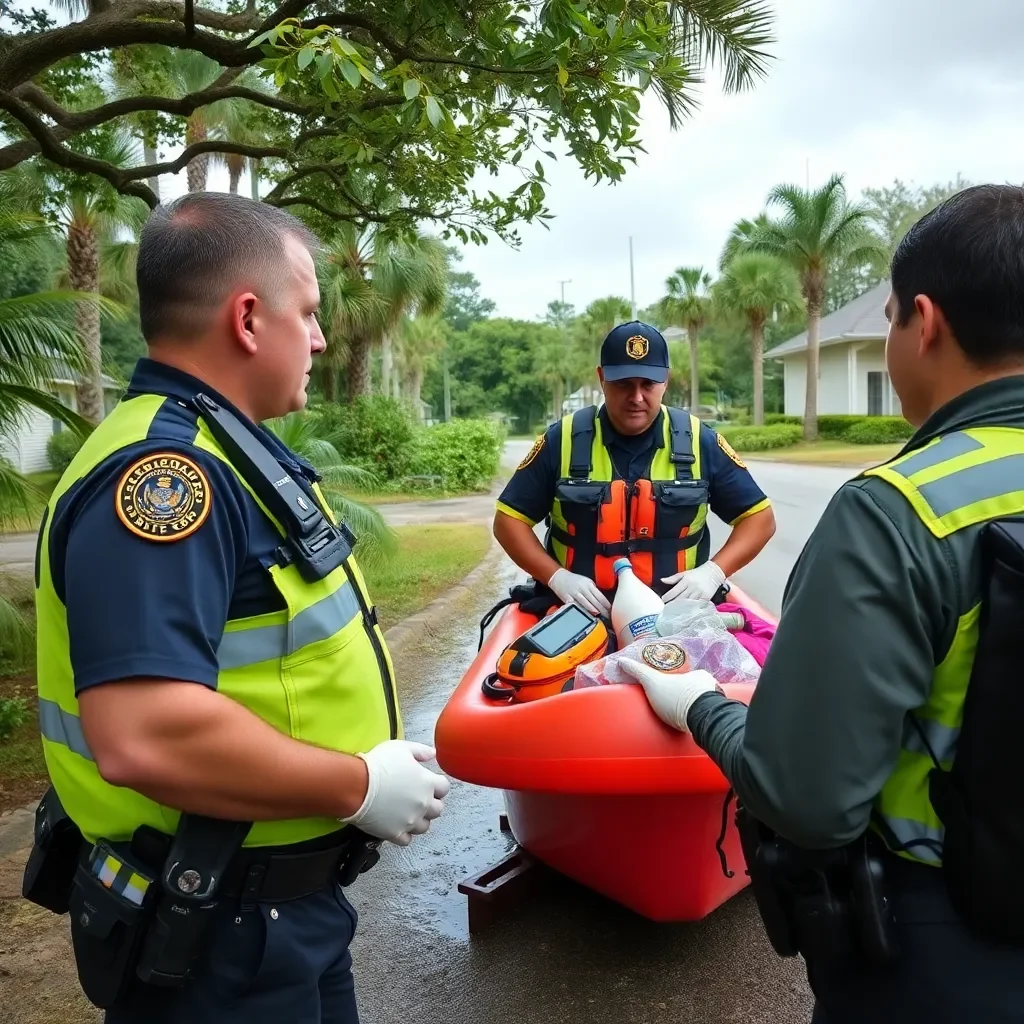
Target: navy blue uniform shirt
(139,607)
(733,494)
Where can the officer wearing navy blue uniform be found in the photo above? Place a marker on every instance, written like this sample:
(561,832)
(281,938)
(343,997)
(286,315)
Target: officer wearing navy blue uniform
(209,654)
(658,525)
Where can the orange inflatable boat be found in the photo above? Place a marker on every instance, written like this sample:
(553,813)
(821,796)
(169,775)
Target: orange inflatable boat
(597,787)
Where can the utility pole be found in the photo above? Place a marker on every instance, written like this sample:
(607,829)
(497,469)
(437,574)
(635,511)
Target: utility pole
(632,289)
(447,390)
(565,332)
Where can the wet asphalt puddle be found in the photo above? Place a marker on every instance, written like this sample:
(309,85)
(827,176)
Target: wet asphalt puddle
(562,954)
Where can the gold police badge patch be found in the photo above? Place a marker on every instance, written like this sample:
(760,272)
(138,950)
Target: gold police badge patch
(637,346)
(730,451)
(532,453)
(163,497)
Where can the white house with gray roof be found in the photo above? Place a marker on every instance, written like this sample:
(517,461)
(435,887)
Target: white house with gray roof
(851,361)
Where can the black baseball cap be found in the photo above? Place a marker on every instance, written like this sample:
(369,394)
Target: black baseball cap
(635,349)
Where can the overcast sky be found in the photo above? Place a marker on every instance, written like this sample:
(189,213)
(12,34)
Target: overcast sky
(873,89)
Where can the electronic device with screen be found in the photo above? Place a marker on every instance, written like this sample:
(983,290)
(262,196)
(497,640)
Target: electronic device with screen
(542,661)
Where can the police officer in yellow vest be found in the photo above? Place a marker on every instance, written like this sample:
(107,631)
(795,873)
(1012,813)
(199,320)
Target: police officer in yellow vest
(881,751)
(216,699)
(633,479)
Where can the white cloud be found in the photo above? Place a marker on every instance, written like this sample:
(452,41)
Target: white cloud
(873,89)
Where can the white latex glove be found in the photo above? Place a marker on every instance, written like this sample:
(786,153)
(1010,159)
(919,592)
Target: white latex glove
(700,584)
(402,797)
(671,695)
(571,587)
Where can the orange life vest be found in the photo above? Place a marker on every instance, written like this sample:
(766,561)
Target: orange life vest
(658,522)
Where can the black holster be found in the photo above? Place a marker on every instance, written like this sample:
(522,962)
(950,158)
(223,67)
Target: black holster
(153,928)
(56,845)
(825,905)
(980,799)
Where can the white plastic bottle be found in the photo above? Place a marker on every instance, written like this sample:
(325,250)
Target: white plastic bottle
(636,607)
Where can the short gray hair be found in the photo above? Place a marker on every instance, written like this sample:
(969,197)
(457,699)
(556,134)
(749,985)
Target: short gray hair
(194,250)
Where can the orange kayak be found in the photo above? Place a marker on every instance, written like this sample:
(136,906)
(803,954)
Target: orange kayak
(597,787)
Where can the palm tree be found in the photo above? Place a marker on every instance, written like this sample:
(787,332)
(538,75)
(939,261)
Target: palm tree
(94,213)
(818,230)
(370,281)
(743,231)
(35,334)
(688,305)
(299,431)
(757,286)
(420,340)
(595,323)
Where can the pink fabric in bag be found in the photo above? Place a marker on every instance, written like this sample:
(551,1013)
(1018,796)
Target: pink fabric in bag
(756,635)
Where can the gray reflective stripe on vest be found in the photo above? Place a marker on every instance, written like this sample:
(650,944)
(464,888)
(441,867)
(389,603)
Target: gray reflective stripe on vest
(60,726)
(923,841)
(263,643)
(949,447)
(941,738)
(976,483)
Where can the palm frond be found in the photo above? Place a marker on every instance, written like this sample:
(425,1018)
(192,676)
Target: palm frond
(17,639)
(45,402)
(18,495)
(729,34)
(376,542)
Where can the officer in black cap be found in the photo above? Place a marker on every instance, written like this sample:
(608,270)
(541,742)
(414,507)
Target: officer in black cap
(632,479)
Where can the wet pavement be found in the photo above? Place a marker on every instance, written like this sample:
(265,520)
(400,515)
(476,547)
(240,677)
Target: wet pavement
(563,954)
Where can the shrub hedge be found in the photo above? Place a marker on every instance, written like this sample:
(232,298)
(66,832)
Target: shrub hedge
(759,439)
(465,454)
(61,449)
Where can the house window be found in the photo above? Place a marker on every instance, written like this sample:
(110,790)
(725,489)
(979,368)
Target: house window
(877,380)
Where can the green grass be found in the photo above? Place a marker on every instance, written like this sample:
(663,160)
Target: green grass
(430,559)
(828,453)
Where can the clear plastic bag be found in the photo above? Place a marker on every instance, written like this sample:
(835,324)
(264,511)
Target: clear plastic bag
(704,637)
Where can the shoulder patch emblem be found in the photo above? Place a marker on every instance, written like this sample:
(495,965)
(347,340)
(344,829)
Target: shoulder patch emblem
(730,451)
(163,497)
(532,453)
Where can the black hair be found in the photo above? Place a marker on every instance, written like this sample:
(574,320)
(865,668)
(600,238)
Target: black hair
(197,248)
(967,256)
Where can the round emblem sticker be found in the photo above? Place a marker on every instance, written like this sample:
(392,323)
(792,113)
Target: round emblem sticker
(163,497)
(664,655)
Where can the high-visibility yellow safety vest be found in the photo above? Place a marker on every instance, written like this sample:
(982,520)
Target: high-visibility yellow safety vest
(319,671)
(958,481)
(658,523)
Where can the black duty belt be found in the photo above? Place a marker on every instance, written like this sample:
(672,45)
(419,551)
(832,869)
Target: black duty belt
(264,875)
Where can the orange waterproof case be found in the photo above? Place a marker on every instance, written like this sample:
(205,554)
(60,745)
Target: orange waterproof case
(542,661)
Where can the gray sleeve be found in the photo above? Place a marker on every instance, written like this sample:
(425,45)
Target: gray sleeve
(854,651)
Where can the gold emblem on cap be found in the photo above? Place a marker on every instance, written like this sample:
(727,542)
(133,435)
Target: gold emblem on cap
(636,346)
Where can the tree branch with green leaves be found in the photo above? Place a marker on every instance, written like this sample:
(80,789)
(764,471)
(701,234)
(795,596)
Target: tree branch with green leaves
(422,94)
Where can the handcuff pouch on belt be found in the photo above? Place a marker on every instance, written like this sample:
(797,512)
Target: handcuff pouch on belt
(822,904)
(129,919)
(56,844)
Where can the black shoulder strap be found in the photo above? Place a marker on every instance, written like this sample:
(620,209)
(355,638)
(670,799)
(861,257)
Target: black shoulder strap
(581,451)
(681,440)
(313,543)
